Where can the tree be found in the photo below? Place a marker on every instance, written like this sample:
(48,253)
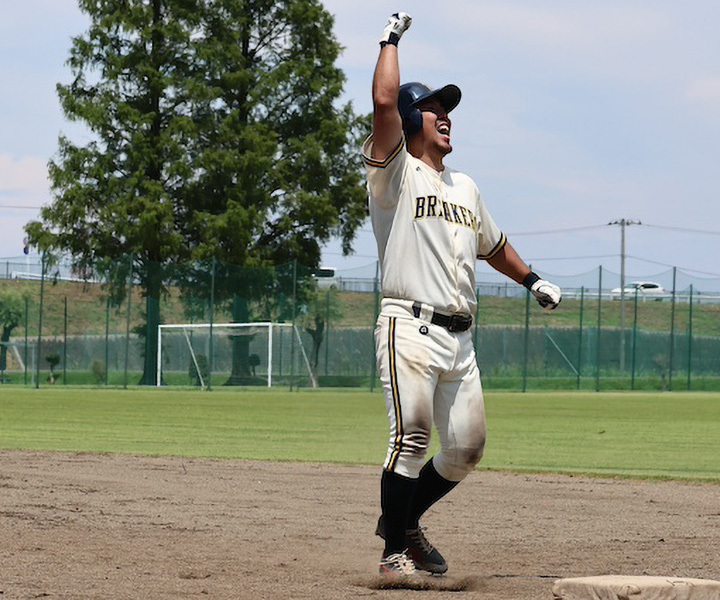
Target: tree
(53,360)
(254,361)
(217,134)
(12,310)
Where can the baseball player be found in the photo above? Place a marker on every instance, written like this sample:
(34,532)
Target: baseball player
(431,225)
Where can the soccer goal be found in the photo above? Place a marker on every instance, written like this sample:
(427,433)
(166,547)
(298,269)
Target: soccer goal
(17,362)
(241,353)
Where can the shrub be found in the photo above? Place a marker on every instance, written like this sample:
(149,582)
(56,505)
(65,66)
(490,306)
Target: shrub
(98,371)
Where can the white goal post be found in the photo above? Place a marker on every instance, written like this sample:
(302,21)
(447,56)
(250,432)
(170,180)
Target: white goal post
(193,336)
(16,354)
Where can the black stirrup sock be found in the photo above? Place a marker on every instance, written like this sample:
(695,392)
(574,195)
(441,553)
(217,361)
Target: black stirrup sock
(396,496)
(431,487)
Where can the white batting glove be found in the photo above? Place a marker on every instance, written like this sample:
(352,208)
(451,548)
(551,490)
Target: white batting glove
(397,24)
(547,294)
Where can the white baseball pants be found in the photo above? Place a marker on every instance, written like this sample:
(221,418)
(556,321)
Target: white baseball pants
(429,374)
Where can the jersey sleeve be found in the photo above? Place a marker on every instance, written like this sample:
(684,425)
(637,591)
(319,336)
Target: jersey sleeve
(385,177)
(490,239)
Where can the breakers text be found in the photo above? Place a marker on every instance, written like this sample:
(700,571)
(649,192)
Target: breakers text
(430,208)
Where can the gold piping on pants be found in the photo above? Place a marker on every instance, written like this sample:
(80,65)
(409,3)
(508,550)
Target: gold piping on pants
(396,396)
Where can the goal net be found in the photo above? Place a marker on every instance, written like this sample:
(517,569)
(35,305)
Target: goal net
(268,354)
(17,362)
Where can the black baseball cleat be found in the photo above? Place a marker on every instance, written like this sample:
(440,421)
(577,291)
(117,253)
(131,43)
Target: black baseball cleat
(420,550)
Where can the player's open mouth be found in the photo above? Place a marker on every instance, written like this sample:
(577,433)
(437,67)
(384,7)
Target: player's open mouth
(444,130)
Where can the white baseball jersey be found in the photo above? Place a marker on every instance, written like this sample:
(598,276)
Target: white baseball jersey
(430,228)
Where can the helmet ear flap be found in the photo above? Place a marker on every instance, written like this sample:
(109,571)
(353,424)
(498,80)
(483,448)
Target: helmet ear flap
(413,122)
(411,115)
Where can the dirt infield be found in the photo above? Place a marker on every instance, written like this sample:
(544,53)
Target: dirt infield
(81,526)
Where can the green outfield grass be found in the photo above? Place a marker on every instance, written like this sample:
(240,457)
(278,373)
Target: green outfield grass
(648,435)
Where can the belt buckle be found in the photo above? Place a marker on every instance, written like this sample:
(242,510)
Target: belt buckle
(459,323)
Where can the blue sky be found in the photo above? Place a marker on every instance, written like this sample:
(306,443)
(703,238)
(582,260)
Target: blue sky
(574,114)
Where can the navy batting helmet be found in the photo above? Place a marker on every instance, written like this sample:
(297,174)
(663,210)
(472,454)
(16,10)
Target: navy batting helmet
(411,94)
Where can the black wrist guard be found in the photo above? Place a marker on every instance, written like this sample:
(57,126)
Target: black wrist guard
(530,279)
(393,39)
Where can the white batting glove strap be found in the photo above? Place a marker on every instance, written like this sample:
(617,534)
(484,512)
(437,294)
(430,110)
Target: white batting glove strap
(547,294)
(397,24)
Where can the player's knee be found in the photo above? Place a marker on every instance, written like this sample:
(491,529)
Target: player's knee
(470,458)
(456,463)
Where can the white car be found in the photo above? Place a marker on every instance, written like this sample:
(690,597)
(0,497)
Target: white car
(645,289)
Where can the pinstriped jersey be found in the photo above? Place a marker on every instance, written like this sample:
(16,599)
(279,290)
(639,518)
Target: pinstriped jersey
(430,227)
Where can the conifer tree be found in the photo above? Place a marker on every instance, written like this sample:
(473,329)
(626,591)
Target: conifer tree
(217,132)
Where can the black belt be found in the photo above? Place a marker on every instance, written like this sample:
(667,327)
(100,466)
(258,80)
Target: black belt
(454,323)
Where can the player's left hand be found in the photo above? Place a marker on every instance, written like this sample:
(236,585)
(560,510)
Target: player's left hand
(547,294)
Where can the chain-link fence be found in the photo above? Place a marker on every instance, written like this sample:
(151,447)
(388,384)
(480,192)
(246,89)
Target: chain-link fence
(103,327)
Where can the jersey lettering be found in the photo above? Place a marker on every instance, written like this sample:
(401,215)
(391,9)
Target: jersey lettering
(455,213)
(446,212)
(463,212)
(452,213)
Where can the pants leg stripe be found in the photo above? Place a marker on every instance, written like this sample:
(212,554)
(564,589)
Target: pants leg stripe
(396,396)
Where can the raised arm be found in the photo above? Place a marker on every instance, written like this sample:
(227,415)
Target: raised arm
(387,124)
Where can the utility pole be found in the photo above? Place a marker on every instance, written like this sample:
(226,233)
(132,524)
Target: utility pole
(623,223)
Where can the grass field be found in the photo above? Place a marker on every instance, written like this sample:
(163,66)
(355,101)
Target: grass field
(646,435)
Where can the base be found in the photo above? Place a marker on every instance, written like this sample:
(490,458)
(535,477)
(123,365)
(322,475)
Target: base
(631,587)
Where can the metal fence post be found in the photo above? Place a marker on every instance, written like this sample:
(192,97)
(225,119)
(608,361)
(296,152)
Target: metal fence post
(27,324)
(327,330)
(690,337)
(634,341)
(527,338)
(107,340)
(292,332)
(580,332)
(672,332)
(212,320)
(599,323)
(127,322)
(40,319)
(65,328)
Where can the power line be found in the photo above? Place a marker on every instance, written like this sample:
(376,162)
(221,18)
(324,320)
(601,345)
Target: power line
(586,227)
(683,229)
(574,257)
(21,207)
(558,230)
(654,262)
(350,255)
